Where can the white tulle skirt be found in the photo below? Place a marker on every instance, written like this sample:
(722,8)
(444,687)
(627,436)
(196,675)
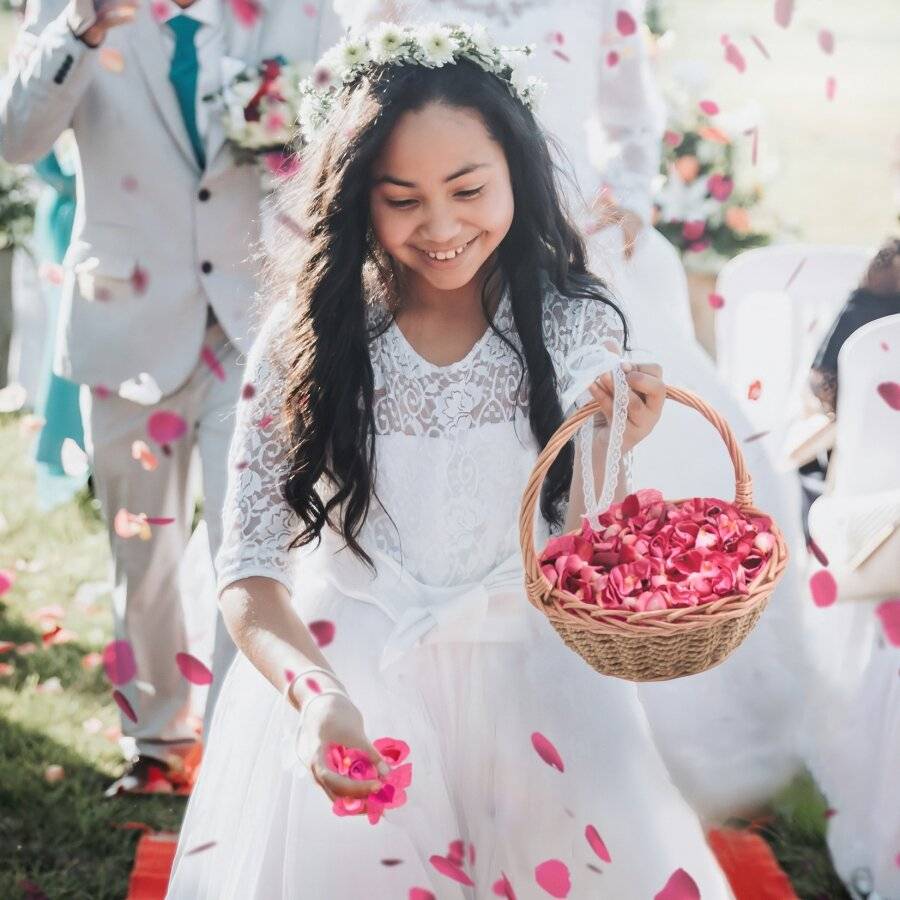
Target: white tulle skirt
(730,736)
(257,825)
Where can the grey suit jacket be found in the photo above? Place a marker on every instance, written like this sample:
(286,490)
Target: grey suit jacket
(155,239)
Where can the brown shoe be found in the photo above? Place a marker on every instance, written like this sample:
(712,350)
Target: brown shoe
(144,775)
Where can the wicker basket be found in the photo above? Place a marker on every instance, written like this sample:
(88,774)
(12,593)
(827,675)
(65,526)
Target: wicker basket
(657,645)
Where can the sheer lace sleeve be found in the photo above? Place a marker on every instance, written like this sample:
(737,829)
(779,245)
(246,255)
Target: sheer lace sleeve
(257,522)
(631,114)
(579,332)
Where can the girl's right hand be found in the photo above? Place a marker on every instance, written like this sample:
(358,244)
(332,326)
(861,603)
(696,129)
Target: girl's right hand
(334,719)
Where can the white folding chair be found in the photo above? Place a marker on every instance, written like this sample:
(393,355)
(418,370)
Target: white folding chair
(780,302)
(867,457)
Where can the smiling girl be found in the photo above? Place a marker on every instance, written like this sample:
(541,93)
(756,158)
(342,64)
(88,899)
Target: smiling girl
(434,314)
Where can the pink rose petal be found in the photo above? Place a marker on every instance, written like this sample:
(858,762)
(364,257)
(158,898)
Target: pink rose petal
(784,10)
(760,46)
(309,9)
(417,893)
(889,391)
(830,87)
(503,888)
(159,520)
(716,301)
(159,9)
(313,685)
(450,870)
(710,107)
(612,58)
(596,842)
(212,363)
(245,11)
(248,391)
(823,588)
(734,57)
(547,752)
(889,613)
(323,631)
(139,279)
(679,887)
(817,552)
(826,41)
(754,391)
(165,427)
(625,23)
(124,705)
(553,876)
(719,187)
(118,661)
(192,669)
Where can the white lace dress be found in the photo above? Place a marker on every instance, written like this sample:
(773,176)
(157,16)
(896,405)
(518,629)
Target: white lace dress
(444,652)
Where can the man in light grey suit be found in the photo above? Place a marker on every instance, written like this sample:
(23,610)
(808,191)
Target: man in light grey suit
(158,291)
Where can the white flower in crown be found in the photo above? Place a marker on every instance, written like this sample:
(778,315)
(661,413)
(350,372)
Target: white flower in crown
(344,57)
(516,59)
(387,42)
(437,45)
(480,39)
(534,92)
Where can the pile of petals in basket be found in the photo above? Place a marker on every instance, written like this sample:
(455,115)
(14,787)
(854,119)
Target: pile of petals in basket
(652,554)
(355,764)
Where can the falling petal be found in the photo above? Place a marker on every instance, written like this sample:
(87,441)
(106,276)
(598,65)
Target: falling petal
(754,391)
(503,888)
(139,279)
(129,183)
(757,436)
(710,107)
(889,391)
(143,454)
(292,225)
(309,9)
(446,867)
(612,58)
(322,631)
(160,10)
(826,41)
(212,363)
(159,520)
(417,893)
(889,614)
(679,887)
(165,427)
(547,752)
(245,11)
(884,346)
(760,46)
(313,685)
(793,276)
(560,55)
(830,87)
(716,301)
(192,669)
(784,10)
(112,60)
(734,57)
(124,705)
(823,588)
(553,876)
(625,23)
(391,862)
(248,391)
(118,661)
(754,147)
(200,848)
(817,552)
(596,842)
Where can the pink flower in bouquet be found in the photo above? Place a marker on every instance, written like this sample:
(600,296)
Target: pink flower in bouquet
(355,764)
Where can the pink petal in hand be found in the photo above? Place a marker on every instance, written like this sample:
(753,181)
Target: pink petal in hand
(889,613)
(192,669)
(118,661)
(889,391)
(547,752)
(625,23)
(323,631)
(679,887)
(553,876)
(596,842)
(823,588)
(450,870)
(124,705)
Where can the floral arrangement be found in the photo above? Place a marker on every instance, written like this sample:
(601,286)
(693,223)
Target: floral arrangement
(699,206)
(355,764)
(650,554)
(261,105)
(16,207)
(430,45)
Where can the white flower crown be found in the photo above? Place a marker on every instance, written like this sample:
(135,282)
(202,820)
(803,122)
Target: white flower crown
(430,45)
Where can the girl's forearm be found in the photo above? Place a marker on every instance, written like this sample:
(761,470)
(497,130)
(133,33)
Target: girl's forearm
(265,628)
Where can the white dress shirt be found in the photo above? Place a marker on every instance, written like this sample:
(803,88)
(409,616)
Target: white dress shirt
(210,44)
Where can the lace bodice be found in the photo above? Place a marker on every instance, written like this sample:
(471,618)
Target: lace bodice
(602,101)
(453,450)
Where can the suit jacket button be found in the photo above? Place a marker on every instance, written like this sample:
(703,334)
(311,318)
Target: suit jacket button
(206,267)
(203,195)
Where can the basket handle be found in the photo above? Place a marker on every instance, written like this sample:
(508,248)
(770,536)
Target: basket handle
(743,483)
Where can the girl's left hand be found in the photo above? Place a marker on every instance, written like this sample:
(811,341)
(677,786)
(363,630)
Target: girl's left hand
(647,393)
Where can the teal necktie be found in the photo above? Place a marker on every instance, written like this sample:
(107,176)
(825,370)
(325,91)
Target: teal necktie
(183,75)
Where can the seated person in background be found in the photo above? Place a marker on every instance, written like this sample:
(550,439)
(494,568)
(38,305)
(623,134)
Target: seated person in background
(877,296)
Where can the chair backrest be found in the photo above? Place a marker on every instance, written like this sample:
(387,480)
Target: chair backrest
(867,457)
(780,302)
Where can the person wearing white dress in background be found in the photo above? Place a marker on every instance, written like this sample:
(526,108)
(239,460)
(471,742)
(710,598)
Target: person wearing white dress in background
(429,339)
(729,736)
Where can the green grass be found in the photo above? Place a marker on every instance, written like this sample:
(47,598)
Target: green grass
(64,837)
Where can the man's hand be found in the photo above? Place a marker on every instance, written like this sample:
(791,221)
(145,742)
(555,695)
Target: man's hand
(608,212)
(90,24)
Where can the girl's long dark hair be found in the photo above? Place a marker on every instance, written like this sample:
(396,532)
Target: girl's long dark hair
(327,261)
